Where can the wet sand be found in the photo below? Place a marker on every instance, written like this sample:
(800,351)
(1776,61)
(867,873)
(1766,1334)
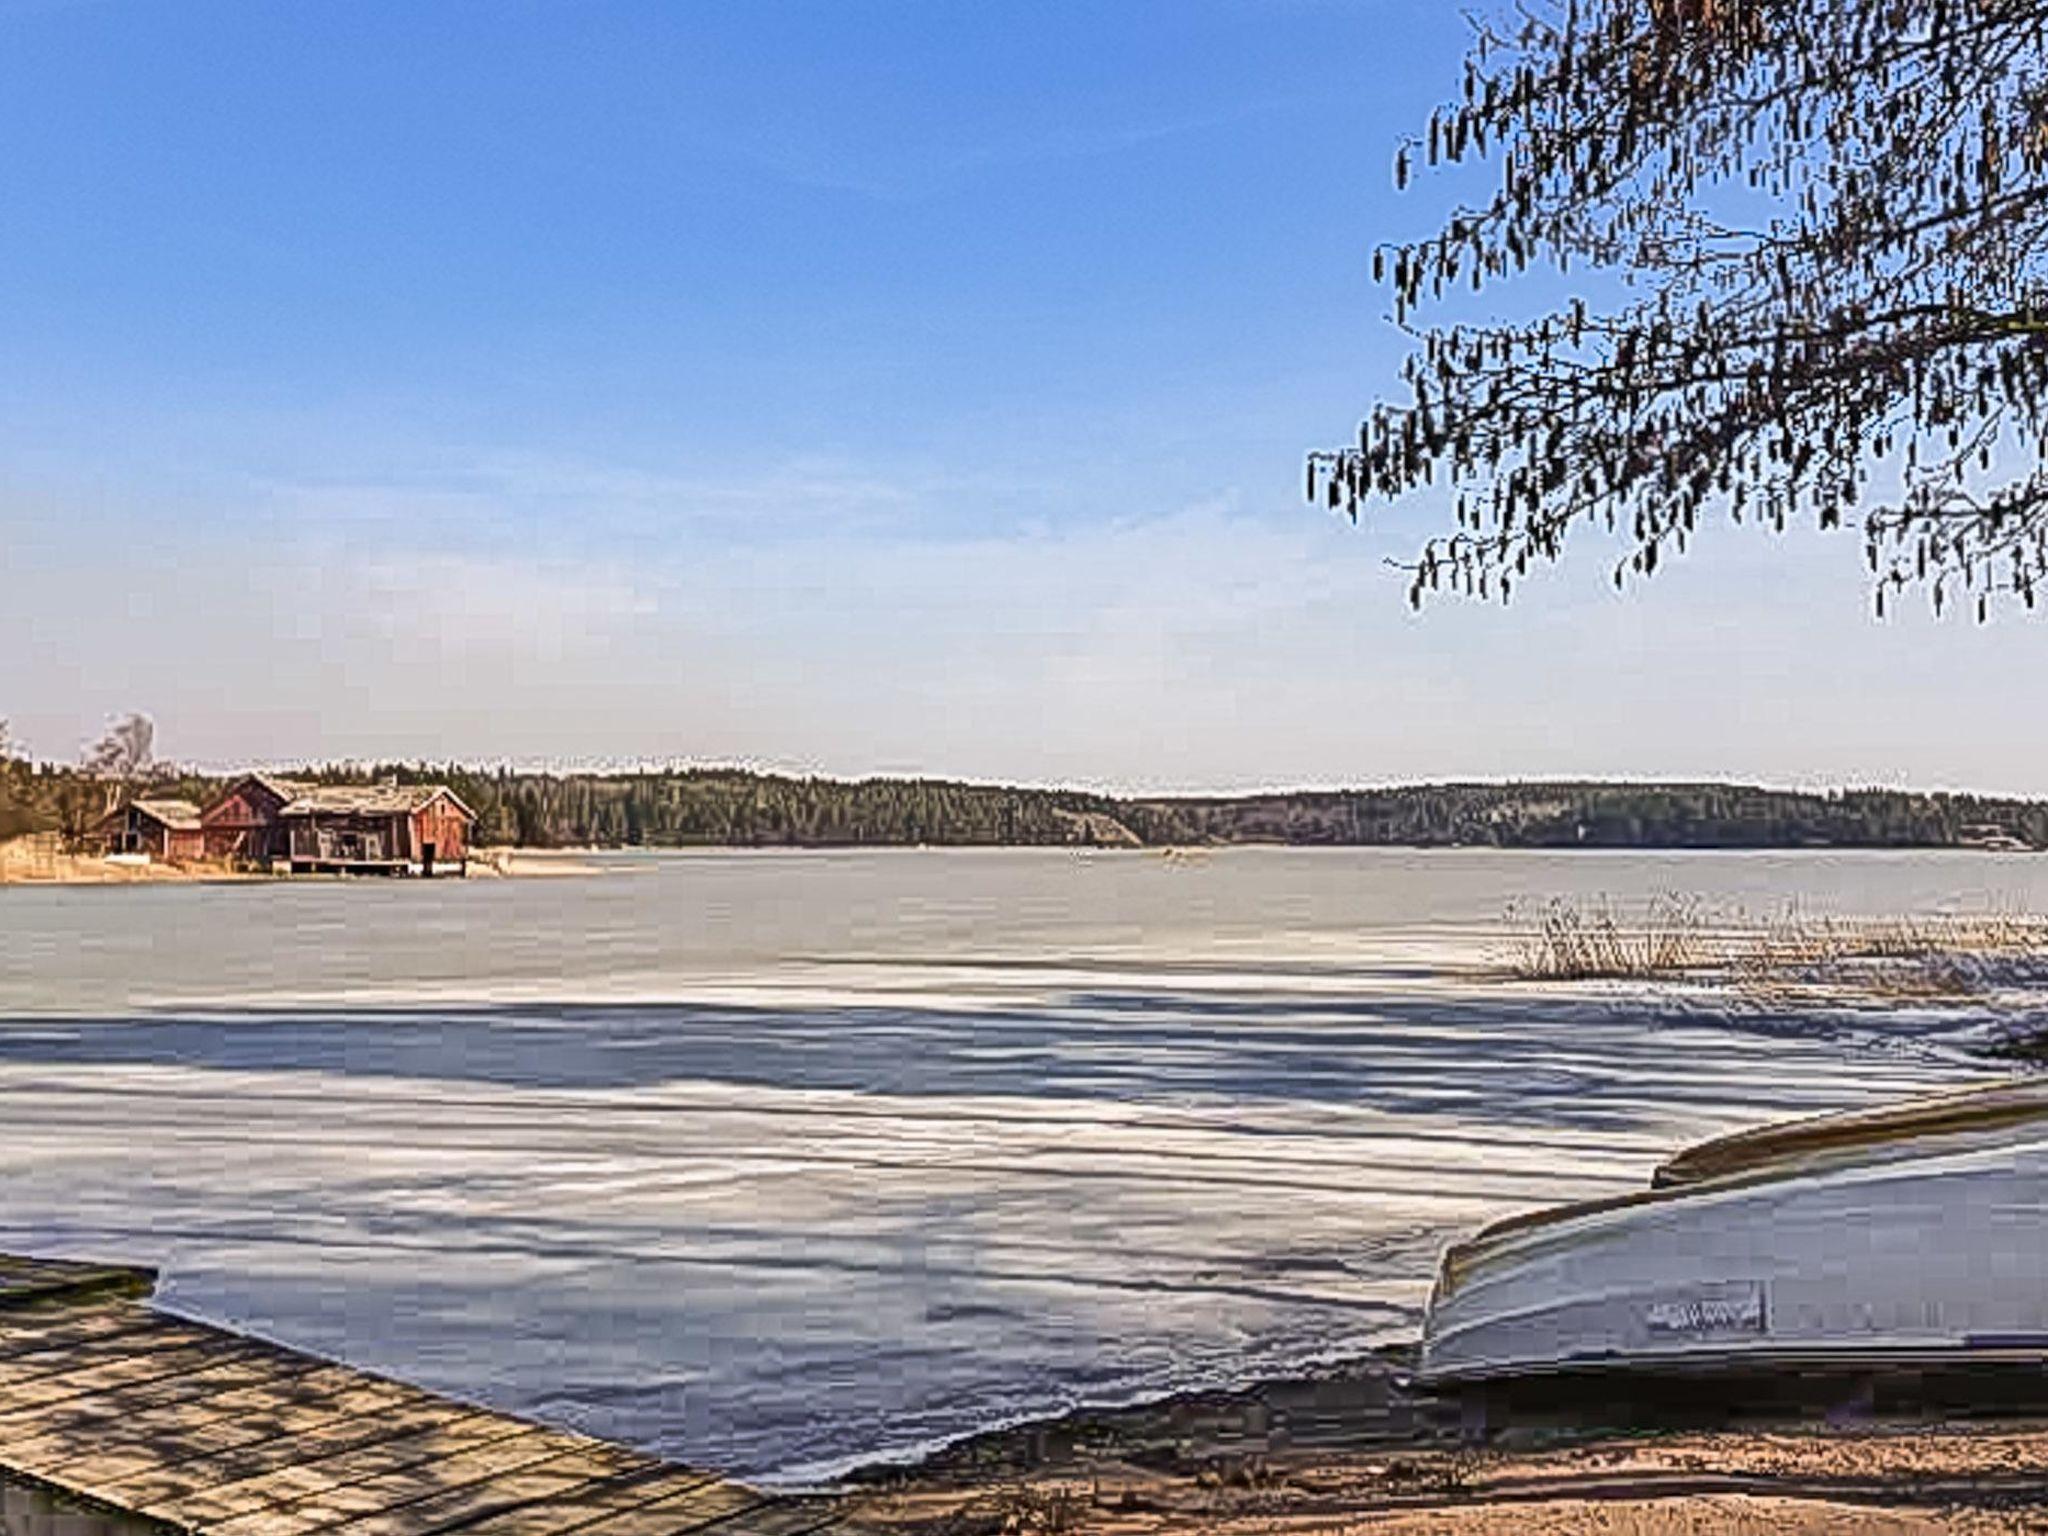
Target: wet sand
(1349,1450)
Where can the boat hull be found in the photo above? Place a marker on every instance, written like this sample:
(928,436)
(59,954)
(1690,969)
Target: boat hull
(1923,1259)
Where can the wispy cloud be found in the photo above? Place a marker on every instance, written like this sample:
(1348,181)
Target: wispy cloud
(1211,646)
(446,606)
(470,492)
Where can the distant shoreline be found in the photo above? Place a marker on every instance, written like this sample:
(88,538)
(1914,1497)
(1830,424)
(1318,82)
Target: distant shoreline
(35,861)
(24,868)
(739,808)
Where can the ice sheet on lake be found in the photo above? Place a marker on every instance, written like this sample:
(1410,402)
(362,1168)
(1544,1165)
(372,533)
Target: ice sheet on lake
(780,1163)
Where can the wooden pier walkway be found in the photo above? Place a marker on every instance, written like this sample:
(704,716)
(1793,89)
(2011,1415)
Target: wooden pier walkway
(153,1422)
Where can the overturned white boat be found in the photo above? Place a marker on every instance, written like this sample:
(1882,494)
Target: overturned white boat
(1900,1237)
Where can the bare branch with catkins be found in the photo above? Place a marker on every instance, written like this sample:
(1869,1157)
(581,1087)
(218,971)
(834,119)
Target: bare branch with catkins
(1833,219)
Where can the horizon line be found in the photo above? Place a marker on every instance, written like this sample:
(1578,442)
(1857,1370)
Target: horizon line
(630,767)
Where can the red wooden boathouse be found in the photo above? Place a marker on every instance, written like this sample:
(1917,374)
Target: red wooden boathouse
(167,831)
(242,823)
(420,829)
(389,828)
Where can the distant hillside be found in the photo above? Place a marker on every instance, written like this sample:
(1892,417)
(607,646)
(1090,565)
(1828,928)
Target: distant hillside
(1580,815)
(732,807)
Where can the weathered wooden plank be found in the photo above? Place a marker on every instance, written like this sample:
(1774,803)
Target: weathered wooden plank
(107,1472)
(22,1293)
(560,1477)
(124,1318)
(322,1469)
(227,1486)
(28,1283)
(654,1484)
(58,1360)
(149,1448)
(311,1379)
(284,1398)
(27,1510)
(453,1490)
(327,1472)
(241,1384)
(60,1328)
(792,1517)
(691,1510)
(27,1399)
(110,1404)
(206,1429)
(27,1327)
(784,1517)
(61,1314)
(163,1444)
(219,1393)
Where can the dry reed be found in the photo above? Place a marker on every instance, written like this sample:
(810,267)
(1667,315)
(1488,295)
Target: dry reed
(1682,936)
(1575,941)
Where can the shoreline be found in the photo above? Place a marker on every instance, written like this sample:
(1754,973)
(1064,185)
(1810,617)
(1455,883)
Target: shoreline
(24,865)
(32,861)
(1356,1402)
(42,867)
(1354,1447)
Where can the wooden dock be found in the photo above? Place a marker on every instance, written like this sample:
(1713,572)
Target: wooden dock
(117,1418)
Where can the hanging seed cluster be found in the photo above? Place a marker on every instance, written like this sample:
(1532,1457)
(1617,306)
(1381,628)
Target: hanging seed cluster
(1833,218)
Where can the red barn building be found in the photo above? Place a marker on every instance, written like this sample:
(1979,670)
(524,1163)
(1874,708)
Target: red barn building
(168,831)
(418,829)
(243,822)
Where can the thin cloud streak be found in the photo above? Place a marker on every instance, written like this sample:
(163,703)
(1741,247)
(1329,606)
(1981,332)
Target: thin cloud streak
(1212,648)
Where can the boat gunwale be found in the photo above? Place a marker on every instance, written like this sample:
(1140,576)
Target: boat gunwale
(1995,1106)
(1725,1356)
(1940,1116)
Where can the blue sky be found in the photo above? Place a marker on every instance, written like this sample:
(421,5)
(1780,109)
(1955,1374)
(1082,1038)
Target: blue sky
(852,386)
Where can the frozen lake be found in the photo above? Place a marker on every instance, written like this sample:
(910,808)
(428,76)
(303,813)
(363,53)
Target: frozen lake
(779,1161)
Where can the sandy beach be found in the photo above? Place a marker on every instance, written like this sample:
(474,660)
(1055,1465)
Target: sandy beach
(1963,1478)
(43,860)
(1347,1450)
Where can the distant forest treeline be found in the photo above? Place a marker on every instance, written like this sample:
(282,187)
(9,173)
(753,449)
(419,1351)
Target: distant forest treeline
(698,806)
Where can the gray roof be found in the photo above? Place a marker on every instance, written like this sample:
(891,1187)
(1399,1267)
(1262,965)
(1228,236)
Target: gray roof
(284,789)
(368,799)
(178,815)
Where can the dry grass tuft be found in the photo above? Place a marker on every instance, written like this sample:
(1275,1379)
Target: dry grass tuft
(1571,941)
(1902,958)
(1680,937)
